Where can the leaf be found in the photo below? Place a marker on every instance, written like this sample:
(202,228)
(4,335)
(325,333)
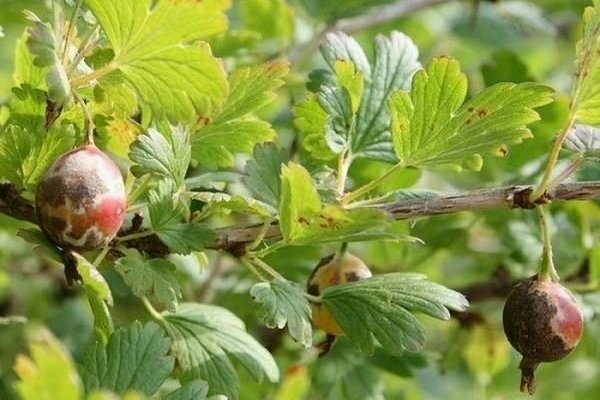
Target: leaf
(151,278)
(431,128)
(25,156)
(234,130)
(25,71)
(237,203)
(154,50)
(353,116)
(381,308)
(583,139)
(284,303)
(205,336)
(45,46)
(99,296)
(167,219)
(135,358)
(304,220)
(194,390)
(165,156)
(586,98)
(49,373)
(263,172)
(272,19)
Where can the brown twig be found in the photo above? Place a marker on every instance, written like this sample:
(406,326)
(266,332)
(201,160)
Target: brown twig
(233,239)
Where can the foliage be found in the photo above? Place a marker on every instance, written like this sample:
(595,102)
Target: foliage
(247,156)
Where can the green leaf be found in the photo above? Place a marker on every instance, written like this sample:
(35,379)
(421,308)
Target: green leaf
(49,373)
(583,139)
(380,308)
(431,128)
(586,99)
(25,156)
(154,49)
(165,156)
(194,390)
(135,358)
(304,220)
(25,71)
(168,222)
(99,296)
(347,374)
(263,172)
(205,336)
(235,130)
(284,303)
(310,120)
(151,278)
(237,203)
(45,46)
(28,108)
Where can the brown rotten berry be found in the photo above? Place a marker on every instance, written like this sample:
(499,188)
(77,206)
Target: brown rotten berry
(81,200)
(543,322)
(330,271)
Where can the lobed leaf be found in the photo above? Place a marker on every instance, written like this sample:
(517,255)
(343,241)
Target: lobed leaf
(284,303)
(381,308)
(204,337)
(154,278)
(154,49)
(432,127)
(48,373)
(263,172)
(135,358)
(586,97)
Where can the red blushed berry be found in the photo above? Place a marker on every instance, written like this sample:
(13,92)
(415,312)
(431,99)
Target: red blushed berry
(543,322)
(81,200)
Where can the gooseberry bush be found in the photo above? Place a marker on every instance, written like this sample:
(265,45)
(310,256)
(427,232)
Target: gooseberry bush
(244,200)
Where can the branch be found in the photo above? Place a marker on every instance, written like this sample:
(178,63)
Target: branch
(235,239)
(376,16)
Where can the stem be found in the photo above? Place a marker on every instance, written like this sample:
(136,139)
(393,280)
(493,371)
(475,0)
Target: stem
(89,122)
(155,314)
(268,250)
(343,249)
(101,256)
(566,173)
(547,270)
(133,236)
(96,74)
(267,268)
(246,262)
(83,48)
(344,162)
(259,238)
(312,299)
(69,34)
(355,194)
(546,178)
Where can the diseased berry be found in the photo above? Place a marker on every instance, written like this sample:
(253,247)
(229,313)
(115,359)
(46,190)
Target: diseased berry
(330,271)
(81,200)
(543,322)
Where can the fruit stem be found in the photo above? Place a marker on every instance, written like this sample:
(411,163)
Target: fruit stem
(155,314)
(528,367)
(343,250)
(344,162)
(547,269)
(89,122)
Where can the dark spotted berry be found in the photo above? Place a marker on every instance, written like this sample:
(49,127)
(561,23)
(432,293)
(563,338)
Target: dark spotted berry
(81,200)
(330,271)
(543,322)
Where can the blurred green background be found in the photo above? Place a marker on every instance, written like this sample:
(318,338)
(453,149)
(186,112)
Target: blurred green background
(465,359)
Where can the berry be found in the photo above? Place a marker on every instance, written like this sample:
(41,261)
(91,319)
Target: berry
(543,322)
(330,271)
(81,200)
